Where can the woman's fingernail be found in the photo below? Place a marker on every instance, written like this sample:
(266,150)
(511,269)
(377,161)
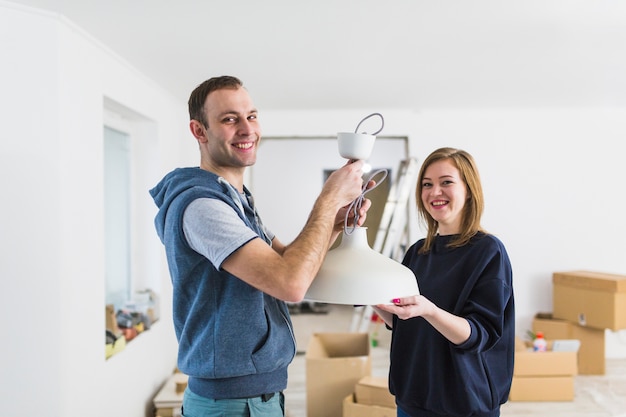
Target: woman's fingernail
(395,300)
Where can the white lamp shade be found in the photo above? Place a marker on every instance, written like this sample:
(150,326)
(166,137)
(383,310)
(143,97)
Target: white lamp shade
(355,274)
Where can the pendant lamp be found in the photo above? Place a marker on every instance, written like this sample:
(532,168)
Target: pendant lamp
(353,273)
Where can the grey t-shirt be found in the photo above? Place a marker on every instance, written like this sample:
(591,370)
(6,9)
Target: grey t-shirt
(214,230)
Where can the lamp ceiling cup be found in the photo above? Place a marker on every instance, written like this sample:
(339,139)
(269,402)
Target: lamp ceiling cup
(355,274)
(355,145)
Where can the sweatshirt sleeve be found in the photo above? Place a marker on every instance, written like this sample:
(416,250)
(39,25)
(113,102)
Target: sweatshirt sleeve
(489,298)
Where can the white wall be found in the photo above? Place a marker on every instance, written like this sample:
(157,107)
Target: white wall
(553,182)
(53,80)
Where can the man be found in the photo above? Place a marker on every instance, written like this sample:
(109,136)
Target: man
(231,276)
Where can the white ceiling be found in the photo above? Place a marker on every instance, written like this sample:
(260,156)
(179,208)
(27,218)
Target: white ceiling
(410,54)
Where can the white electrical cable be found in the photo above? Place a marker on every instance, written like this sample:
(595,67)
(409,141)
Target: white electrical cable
(355,206)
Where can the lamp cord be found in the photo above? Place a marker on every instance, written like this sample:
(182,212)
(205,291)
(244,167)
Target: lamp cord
(355,206)
(382,123)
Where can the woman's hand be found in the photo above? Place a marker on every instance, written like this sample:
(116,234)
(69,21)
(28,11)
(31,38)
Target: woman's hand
(408,307)
(454,328)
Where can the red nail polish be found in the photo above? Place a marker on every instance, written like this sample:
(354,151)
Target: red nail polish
(395,300)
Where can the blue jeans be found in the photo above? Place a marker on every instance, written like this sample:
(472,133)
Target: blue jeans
(197,406)
(401,413)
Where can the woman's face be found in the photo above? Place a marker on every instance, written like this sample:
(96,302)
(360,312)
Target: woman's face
(444,194)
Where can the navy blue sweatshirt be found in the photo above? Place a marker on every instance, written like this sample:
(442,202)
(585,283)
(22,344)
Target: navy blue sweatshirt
(429,375)
(234,340)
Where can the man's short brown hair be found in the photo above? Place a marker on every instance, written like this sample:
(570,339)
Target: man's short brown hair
(200,93)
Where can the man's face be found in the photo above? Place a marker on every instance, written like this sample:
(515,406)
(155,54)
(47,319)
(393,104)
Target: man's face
(233,131)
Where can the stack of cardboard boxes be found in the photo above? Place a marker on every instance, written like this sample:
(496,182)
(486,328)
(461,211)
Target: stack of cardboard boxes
(585,304)
(339,380)
(544,376)
(591,360)
(169,400)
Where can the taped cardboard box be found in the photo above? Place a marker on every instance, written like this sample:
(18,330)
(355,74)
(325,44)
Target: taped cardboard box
(335,362)
(592,299)
(374,390)
(353,409)
(544,376)
(591,355)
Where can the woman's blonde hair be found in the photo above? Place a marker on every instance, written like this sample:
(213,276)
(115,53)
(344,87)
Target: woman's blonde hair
(474,204)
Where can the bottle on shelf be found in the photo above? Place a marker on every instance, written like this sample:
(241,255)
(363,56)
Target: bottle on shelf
(539,344)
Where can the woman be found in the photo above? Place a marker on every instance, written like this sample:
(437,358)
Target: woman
(452,346)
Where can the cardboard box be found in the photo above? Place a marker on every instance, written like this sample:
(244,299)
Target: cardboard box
(169,399)
(334,363)
(550,363)
(591,299)
(111,320)
(374,390)
(353,409)
(168,412)
(543,376)
(542,388)
(591,356)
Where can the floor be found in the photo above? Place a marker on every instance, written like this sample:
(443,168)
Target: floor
(596,396)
